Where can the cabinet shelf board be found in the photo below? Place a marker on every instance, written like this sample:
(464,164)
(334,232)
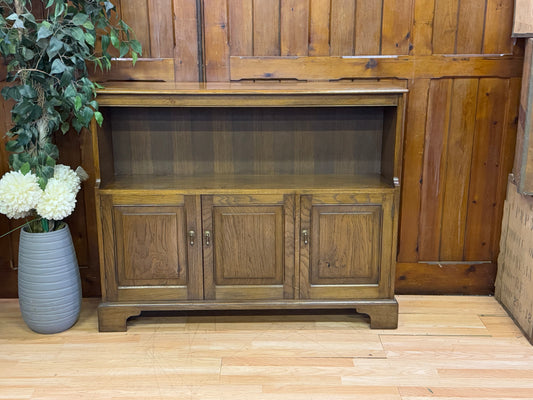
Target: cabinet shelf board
(271,184)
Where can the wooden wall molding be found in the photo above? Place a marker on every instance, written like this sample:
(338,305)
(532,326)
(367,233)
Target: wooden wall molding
(401,67)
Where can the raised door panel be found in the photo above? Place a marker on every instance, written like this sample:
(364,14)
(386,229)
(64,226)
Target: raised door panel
(247,255)
(345,246)
(148,252)
(148,246)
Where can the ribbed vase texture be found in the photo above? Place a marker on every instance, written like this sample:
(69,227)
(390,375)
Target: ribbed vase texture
(48,281)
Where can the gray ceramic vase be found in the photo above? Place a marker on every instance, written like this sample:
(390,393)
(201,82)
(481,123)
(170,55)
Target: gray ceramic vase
(48,281)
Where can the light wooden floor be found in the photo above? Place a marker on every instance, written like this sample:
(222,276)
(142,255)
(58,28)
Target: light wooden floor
(445,348)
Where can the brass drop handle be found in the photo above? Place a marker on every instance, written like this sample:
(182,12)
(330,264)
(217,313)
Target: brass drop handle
(207,235)
(192,235)
(305,236)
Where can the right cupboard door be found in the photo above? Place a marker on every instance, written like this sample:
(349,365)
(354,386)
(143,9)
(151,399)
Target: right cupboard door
(346,249)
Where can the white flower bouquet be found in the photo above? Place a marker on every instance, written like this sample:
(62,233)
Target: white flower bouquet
(21,196)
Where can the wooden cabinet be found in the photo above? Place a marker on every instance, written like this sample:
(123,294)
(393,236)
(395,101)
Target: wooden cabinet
(248,196)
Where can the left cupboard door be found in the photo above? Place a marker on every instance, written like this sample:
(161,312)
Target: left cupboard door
(150,248)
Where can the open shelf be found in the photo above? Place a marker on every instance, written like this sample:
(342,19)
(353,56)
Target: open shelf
(219,184)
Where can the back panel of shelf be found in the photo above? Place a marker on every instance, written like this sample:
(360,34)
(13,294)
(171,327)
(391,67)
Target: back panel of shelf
(246,141)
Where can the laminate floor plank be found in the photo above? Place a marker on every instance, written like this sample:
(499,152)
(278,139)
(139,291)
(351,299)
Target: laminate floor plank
(445,348)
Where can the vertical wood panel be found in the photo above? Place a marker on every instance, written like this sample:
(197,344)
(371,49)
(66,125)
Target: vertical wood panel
(483,196)
(182,143)
(222,142)
(186,41)
(161,28)
(434,171)
(368,27)
(294,27)
(423,27)
(458,160)
(412,169)
(507,146)
(397,25)
(319,17)
(240,27)
(445,26)
(266,28)
(498,27)
(342,27)
(136,16)
(470,25)
(216,40)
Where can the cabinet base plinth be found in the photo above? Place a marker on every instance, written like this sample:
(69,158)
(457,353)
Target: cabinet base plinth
(112,317)
(382,316)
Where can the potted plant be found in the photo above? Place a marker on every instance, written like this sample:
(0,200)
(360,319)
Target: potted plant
(47,58)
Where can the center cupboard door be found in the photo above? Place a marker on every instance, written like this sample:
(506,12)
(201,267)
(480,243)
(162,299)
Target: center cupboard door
(248,247)
(346,246)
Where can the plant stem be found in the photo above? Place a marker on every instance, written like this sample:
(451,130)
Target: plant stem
(20,226)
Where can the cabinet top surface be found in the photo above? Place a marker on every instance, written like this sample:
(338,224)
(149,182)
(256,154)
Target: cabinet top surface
(244,88)
(258,94)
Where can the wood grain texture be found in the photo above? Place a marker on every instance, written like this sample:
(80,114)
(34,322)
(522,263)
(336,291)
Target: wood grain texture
(523,164)
(186,41)
(342,35)
(470,26)
(162,37)
(522,26)
(397,25)
(412,170)
(455,346)
(319,27)
(148,239)
(216,48)
(434,171)
(368,27)
(266,25)
(135,14)
(435,278)
(241,27)
(344,222)
(483,199)
(498,26)
(482,28)
(345,244)
(402,67)
(458,161)
(244,141)
(423,26)
(294,28)
(445,26)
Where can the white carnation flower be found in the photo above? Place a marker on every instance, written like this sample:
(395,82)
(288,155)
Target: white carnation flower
(66,174)
(19,194)
(58,200)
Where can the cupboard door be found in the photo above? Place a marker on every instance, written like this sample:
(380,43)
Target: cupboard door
(248,247)
(345,246)
(152,250)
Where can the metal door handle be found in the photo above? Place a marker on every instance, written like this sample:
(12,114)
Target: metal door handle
(207,235)
(305,236)
(192,235)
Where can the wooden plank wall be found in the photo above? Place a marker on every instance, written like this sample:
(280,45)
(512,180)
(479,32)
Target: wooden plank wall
(463,72)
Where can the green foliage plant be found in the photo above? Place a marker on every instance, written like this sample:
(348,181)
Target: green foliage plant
(48,60)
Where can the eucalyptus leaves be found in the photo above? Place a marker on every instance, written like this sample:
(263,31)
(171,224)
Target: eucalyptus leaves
(46,57)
